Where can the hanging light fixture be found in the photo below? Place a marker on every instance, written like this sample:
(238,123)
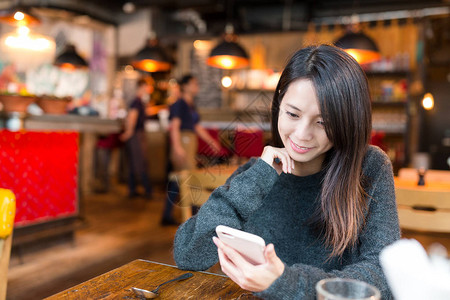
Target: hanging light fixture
(26,50)
(70,60)
(228,54)
(18,16)
(357,44)
(151,58)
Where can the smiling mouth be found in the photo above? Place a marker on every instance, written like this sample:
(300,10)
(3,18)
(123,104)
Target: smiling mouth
(299,147)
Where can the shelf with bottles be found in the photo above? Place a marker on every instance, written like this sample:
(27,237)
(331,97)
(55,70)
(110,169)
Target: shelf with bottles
(388,90)
(392,119)
(388,79)
(400,63)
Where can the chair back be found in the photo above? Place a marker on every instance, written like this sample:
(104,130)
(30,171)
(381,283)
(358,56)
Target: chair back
(7,214)
(197,185)
(423,209)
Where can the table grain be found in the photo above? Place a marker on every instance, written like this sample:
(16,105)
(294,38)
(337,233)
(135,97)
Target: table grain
(116,284)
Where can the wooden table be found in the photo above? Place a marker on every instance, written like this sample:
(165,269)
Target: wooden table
(117,284)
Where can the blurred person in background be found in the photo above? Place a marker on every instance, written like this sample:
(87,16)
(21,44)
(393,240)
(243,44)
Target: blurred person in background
(136,146)
(184,128)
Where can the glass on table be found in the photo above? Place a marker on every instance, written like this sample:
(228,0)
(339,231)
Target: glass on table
(346,289)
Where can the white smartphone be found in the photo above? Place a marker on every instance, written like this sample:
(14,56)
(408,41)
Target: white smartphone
(249,245)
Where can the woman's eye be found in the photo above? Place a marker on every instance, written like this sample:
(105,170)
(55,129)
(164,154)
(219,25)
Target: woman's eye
(321,123)
(291,114)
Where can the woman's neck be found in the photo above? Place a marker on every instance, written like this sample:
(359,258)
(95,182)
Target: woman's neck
(188,98)
(308,168)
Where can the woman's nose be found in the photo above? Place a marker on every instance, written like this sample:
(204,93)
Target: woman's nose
(303,131)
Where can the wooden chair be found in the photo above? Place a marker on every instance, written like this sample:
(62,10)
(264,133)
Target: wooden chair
(197,185)
(7,214)
(430,176)
(423,209)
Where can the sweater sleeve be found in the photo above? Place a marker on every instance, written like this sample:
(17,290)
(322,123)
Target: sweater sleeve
(230,205)
(381,229)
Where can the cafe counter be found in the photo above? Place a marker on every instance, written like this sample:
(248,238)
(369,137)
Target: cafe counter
(46,161)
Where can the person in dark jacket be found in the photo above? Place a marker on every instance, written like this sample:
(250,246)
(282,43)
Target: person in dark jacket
(136,144)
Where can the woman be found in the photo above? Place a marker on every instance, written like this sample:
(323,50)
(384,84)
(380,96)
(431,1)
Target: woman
(184,129)
(320,196)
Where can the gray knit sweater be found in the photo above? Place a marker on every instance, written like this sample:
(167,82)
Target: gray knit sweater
(277,207)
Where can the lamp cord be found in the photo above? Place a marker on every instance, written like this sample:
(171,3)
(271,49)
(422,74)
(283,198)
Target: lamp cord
(151,33)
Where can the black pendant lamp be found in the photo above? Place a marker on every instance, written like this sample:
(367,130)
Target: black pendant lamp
(228,54)
(357,44)
(18,16)
(70,60)
(360,46)
(152,57)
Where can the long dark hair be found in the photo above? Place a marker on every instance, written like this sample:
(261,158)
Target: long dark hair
(343,93)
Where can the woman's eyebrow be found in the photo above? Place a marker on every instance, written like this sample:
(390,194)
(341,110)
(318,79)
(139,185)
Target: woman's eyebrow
(319,115)
(293,107)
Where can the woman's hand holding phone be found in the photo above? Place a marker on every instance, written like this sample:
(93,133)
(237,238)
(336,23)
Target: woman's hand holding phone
(248,275)
(278,158)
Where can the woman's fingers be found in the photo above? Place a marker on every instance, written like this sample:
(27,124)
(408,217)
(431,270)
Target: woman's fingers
(286,161)
(248,276)
(232,254)
(273,156)
(227,263)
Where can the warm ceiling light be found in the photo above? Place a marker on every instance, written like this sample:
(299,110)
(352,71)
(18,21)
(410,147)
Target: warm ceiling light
(128,69)
(70,60)
(26,50)
(226,81)
(360,46)
(151,58)
(202,45)
(23,30)
(228,54)
(428,101)
(18,17)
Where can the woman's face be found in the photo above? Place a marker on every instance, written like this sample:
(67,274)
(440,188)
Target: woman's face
(301,128)
(192,87)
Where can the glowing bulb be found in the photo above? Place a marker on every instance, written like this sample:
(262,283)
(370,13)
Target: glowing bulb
(19,16)
(354,54)
(363,56)
(226,81)
(129,69)
(202,45)
(428,101)
(23,41)
(226,63)
(23,30)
